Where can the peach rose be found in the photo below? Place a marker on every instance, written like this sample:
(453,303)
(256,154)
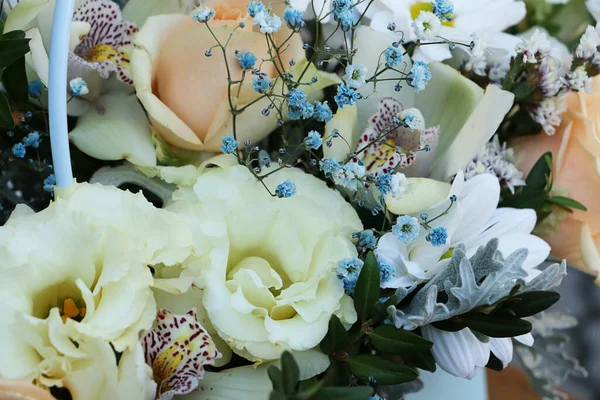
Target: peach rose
(186,93)
(576,151)
(21,390)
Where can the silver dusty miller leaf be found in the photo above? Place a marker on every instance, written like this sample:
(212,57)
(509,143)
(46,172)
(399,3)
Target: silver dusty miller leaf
(482,280)
(547,362)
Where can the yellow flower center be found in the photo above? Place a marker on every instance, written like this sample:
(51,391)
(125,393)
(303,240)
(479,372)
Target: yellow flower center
(166,363)
(105,52)
(416,9)
(70,310)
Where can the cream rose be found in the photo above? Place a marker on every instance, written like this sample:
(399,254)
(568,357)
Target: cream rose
(74,280)
(576,150)
(186,93)
(274,285)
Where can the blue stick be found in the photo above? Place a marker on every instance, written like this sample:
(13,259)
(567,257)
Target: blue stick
(57,92)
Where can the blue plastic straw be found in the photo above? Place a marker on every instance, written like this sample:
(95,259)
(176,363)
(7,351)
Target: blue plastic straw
(57,92)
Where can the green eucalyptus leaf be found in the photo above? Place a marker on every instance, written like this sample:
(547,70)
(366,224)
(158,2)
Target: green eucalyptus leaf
(344,393)
(290,373)
(14,79)
(497,326)
(385,372)
(389,339)
(336,338)
(567,202)
(366,293)
(6,119)
(11,50)
(532,303)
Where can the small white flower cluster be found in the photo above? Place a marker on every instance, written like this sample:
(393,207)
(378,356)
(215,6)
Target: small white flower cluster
(549,112)
(427,26)
(586,55)
(537,46)
(478,62)
(496,159)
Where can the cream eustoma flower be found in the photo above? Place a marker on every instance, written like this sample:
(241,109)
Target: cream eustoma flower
(273,287)
(74,281)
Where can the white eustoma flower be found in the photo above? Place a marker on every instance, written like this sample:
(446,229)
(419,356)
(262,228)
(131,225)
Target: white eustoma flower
(487,18)
(463,355)
(83,260)
(473,220)
(273,285)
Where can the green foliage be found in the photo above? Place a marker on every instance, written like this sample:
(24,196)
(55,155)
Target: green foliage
(336,338)
(367,288)
(389,339)
(13,47)
(381,370)
(537,194)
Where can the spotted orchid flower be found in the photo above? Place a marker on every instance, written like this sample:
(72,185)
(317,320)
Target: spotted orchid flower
(394,137)
(107,46)
(177,349)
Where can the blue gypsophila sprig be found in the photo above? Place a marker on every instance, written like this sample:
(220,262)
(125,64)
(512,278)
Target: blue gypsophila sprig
(346,96)
(261,83)
(247,60)
(406,228)
(313,140)
(393,56)
(348,271)
(203,14)
(323,112)
(285,189)
(78,87)
(438,236)
(329,166)
(49,183)
(420,76)
(229,145)
(366,240)
(293,19)
(19,150)
(298,106)
(255,7)
(32,140)
(444,10)
(385,271)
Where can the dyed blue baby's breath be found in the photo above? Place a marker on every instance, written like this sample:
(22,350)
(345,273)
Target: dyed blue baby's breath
(285,189)
(313,140)
(293,19)
(407,228)
(421,75)
(322,112)
(229,145)
(438,236)
(19,150)
(345,96)
(247,60)
(348,271)
(32,140)
(393,56)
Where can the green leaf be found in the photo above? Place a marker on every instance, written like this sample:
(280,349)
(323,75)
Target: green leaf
(385,372)
(532,303)
(14,79)
(424,361)
(336,338)
(567,202)
(11,50)
(1,27)
(344,393)
(450,325)
(366,293)
(538,177)
(380,310)
(6,119)
(12,35)
(277,395)
(276,378)
(290,372)
(389,339)
(497,326)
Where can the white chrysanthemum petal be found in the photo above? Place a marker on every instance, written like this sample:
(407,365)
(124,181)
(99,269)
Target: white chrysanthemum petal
(503,349)
(458,353)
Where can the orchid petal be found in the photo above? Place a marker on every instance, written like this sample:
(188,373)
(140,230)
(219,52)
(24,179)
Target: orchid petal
(121,132)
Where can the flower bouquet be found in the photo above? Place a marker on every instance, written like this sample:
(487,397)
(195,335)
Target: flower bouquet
(299,199)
